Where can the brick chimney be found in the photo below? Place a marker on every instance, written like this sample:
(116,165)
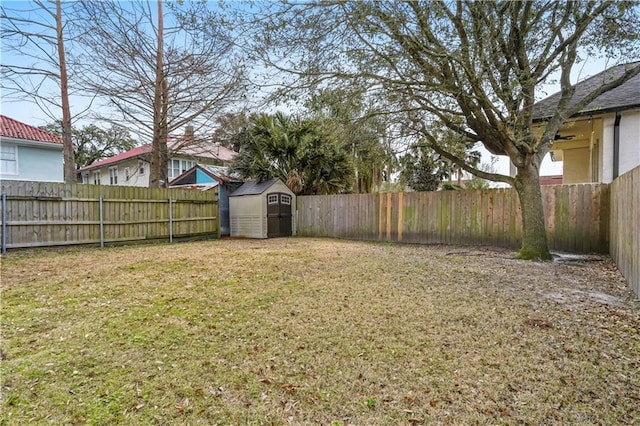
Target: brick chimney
(188,133)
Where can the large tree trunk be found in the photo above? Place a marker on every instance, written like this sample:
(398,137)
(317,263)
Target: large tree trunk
(67,142)
(158,175)
(534,233)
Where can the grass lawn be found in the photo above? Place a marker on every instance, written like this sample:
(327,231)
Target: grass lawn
(314,331)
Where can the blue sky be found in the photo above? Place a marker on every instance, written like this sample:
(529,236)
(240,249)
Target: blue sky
(27,111)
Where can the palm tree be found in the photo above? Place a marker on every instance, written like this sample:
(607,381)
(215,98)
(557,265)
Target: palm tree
(295,151)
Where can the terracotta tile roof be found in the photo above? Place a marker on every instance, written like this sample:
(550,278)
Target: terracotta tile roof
(202,150)
(623,97)
(11,128)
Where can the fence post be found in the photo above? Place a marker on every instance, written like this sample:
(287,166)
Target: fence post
(4,223)
(170,221)
(101,222)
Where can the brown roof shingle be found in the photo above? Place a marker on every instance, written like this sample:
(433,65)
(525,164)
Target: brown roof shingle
(11,128)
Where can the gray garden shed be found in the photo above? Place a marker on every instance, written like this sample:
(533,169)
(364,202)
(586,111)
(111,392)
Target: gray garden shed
(262,210)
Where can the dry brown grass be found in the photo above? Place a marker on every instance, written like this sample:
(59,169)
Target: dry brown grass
(313,331)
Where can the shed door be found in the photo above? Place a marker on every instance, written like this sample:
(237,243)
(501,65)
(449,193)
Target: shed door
(278,215)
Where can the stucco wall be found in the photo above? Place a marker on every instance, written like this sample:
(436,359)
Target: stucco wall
(629,141)
(629,144)
(576,165)
(38,164)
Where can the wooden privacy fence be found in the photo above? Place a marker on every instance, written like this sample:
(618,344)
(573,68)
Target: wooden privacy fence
(45,214)
(577,217)
(625,227)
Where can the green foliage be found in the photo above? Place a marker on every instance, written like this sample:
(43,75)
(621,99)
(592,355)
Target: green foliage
(92,143)
(479,183)
(344,116)
(229,128)
(476,183)
(421,170)
(370,403)
(472,67)
(300,152)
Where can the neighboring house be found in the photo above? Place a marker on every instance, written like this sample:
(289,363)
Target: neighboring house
(602,141)
(131,168)
(204,178)
(551,180)
(29,153)
(262,210)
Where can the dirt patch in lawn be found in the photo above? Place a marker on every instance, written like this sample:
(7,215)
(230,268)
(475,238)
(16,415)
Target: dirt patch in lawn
(315,331)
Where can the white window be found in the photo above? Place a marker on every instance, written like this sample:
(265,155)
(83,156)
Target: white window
(85,178)
(173,168)
(141,168)
(272,199)
(186,165)
(176,167)
(96,177)
(285,199)
(127,176)
(8,159)
(113,175)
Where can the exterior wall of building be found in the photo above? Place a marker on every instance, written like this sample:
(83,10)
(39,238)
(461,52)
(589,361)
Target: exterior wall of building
(629,141)
(629,144)
(202,177)
(138,172)
(223,203)
(248,216)
(576,165)
(607,149)
(37,164)
(279,187)
(248,213)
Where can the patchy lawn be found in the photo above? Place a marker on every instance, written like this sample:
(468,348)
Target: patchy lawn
(315,331)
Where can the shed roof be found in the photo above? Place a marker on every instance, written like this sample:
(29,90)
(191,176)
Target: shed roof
(254,188)
(626,96)
(11,128)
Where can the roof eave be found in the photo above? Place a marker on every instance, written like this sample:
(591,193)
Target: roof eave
(600,111)
(97,166)
(29,142)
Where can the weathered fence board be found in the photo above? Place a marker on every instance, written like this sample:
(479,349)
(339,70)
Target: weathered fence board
(625,227)
(45,213)
(577,217)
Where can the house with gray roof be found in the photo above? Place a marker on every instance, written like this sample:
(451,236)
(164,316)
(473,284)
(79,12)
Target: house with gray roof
(602,141)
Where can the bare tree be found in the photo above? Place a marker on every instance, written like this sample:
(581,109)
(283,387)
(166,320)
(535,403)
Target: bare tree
(159,71)
(467,67)
(36,36)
